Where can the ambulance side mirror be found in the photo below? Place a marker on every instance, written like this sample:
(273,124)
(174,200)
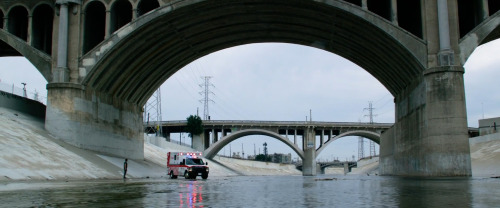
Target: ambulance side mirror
(206,163)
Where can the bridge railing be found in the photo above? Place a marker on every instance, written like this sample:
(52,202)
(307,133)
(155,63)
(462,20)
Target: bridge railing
(274,123)
(33,95)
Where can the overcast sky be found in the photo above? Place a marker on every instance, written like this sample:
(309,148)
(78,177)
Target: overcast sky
(282,82)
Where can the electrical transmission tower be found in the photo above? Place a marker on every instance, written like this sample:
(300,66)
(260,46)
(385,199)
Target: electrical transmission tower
(206,93)
(361,148)
(152,112)
(370,114)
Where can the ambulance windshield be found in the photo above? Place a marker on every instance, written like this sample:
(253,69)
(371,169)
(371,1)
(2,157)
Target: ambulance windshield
(194,161)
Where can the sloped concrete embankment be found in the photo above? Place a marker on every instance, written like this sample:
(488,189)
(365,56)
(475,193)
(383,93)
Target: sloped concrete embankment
(367,166)
(249,167)
(485,155)
(28,152)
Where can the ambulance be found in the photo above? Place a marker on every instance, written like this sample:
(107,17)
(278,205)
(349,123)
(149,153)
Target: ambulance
(187,164)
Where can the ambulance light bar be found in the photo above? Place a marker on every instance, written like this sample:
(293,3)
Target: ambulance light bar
(190,153)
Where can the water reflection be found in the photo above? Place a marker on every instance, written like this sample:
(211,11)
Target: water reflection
(258,191)
(193,196)
(485,192)
(440,192)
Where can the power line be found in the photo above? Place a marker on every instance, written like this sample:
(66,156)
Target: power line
(185,89)
(224,105)
(188,79)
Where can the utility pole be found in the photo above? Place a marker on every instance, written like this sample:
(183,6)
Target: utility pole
(242,151)
(24,90)
(370,114)
(254,153)
(206,93)
(310,115)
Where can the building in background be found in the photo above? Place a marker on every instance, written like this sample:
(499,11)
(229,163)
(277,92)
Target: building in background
(489,126)
(282,158)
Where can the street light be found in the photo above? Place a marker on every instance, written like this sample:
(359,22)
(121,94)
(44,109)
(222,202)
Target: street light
(24,90)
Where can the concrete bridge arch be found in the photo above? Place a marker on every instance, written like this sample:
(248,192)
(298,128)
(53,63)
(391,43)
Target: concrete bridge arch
(170,39)
(362,133)
(39,59)
(31,39)
(485,32)
(216,147)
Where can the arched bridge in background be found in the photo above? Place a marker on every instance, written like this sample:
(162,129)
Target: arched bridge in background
(218,134)
(103,59)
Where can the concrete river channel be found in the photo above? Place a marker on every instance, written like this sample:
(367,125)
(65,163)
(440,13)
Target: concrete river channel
(257,191)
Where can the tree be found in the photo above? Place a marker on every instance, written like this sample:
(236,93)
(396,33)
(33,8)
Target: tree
(263,158)
(194,125)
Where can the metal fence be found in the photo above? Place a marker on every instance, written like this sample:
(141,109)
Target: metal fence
(30,94)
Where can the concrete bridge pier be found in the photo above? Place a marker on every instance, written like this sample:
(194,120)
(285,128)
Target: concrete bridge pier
(198,142)
(94,121)
(430,136)
(309,162)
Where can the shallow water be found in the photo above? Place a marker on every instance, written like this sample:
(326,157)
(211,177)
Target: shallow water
(257,191)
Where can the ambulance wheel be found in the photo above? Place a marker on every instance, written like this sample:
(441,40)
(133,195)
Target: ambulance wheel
(186,175)
(172,176)
(204,176)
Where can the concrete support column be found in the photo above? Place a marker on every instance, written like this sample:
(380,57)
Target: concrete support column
(445,55)
(206,139)
(430,136)
(214,136)
(108,25)
(61,72)
(446,119)
(5,21)
(394,12)
(165,135)
(321,139)
(295,137)
(223,133)
(309,163)
(134,14)
(346,168)
(30,30)
(364,4)
(485,9)
(94,121)
(198,142)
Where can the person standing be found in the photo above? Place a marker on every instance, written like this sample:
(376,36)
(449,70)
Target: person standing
(125,166)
